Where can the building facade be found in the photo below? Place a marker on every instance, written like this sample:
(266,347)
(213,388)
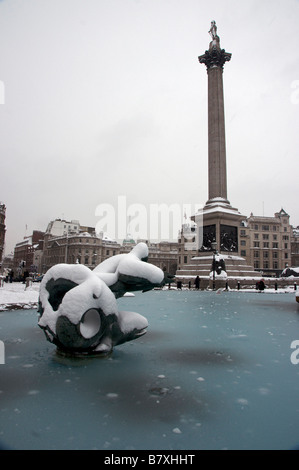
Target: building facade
(164,255)
(295,247)
(82,248)
(187,244)
(24,253)
(266,243)
(92,249)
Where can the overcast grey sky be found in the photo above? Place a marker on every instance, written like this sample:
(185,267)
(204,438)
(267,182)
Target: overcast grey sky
(107,97)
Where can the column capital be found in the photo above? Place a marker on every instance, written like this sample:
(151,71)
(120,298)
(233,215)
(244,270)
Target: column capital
(214,57)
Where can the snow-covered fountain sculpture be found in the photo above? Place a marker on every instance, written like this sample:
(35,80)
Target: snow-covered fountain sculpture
(218,269)
(78,309)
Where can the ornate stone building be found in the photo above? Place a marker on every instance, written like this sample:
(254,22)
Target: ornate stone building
(187,244)
(295,247)
(164,255)
(266,243)
(82,247)
(24,253)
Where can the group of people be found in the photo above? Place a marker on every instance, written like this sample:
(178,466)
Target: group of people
(196,283)
(9,276)
(260,285)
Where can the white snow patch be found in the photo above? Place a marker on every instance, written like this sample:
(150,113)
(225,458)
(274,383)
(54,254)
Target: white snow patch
(242,401)
(112,395)
(177,431)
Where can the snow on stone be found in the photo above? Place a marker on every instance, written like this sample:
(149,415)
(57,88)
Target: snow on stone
(129,264)
(130,320)
(88,294)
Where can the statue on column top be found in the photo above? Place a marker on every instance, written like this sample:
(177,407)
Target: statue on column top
(213,30)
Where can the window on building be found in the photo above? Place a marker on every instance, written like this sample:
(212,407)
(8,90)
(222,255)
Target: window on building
(274,237)
(275,254)
(266,254)
(275,245)
(86,260)
(243,252)
(256,236)
(256,264)
(242,232)
(265,236)
(266,264)
(243,242)
(266,244)
(256,254)
(256,227)
(286,255)
(185,259)
(274,228)
(285,246)
(275,265)
(265,227)
(256,244)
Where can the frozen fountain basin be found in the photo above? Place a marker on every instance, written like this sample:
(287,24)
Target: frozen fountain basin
(214,371)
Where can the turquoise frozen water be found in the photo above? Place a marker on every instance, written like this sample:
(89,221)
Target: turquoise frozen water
(212,372)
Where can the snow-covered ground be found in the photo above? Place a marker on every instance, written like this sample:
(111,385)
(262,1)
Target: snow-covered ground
(16,295)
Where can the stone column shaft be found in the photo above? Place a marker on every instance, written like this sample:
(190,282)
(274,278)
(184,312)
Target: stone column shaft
(214,59)
(216,135)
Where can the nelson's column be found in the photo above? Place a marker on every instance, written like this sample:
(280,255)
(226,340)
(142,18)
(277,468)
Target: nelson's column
(220,222)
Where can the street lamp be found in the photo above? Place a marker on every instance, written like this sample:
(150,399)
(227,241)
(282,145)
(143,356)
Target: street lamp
(214,246)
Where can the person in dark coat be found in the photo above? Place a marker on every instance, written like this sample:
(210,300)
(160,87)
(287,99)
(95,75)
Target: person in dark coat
(261,285)
(197,282)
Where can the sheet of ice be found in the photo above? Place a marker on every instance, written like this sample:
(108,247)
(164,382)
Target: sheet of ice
(218,385)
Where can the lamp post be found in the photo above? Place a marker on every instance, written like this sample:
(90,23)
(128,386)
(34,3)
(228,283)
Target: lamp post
(214,246)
